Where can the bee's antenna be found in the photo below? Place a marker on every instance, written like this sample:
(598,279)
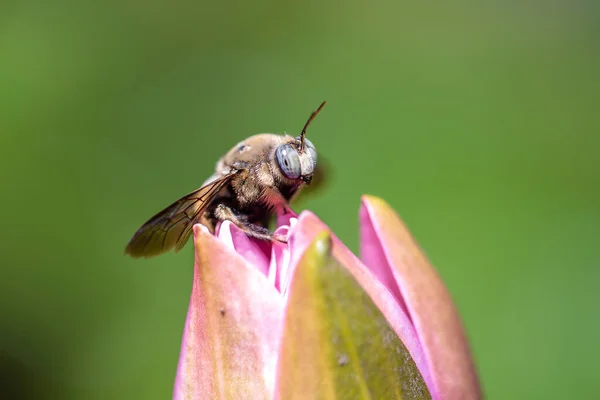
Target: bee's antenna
(312,116)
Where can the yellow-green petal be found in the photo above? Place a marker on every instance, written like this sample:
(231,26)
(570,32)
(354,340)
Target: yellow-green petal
(336,344)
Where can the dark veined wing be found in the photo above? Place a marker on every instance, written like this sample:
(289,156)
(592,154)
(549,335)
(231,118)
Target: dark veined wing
(172,227)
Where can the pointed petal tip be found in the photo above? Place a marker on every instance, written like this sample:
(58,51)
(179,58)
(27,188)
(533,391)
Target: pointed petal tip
(200,229)
(371,204)
(427,299)
(322,243)
(306,214)
(318,250)
(369,199)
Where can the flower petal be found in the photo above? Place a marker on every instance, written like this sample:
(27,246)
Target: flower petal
(280,252)
(304,233)
(232,330)
(253,250)
(336,343)
(385,239)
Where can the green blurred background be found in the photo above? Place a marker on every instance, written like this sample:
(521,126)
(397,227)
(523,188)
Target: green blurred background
(477,121)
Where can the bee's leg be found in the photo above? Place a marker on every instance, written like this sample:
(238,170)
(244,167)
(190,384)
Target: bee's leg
(223,212)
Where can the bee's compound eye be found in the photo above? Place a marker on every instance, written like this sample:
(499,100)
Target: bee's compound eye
(310,148)
(288,160)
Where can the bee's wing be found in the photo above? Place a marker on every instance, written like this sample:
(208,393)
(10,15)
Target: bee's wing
(172,227)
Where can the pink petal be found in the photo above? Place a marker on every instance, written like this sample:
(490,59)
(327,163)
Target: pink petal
(251,250)
(305,232)
(233,327)
(385,240)
(373,256)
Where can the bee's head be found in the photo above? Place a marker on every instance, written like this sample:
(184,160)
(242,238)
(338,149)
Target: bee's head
(297,159)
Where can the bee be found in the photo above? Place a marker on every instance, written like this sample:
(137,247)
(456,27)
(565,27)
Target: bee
(254,181)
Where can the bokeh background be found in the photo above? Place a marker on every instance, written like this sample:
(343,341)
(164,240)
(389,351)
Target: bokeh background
(477,121)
